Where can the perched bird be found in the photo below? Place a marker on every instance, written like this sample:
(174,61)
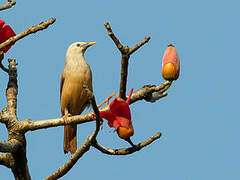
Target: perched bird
(74,100)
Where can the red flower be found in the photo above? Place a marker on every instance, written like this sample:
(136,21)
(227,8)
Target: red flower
(170,64)
(5,33)
(119,116)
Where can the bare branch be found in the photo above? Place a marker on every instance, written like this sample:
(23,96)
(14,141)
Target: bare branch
(72,161)
(144,93)
(96,111)
(16,145)
(84,148)
(12,89)
(42,124)
(9,146)
(30,30)
(8,5)
(126,151)
(124,73)
(140,44)
(126,52)
(1,65)
(114,38)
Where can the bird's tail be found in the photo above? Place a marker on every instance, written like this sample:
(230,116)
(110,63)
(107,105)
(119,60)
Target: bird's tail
(70,138)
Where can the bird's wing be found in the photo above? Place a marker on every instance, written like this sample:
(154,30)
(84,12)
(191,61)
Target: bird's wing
(90,82)
(61,84)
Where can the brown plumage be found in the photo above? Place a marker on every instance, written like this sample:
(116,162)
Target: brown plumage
(76,73)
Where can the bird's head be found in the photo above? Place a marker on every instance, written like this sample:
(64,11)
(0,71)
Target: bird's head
(79,47)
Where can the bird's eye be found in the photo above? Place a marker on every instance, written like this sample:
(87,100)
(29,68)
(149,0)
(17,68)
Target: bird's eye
(78,45)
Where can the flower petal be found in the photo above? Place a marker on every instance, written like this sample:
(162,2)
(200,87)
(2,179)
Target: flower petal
(1,24)
(120,108)
(123,122)
(108,116)
(6,33)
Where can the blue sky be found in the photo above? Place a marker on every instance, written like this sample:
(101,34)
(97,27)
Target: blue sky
(199,118)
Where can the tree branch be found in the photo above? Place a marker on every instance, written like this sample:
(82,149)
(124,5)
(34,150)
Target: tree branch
(12,88)
(1,65)
(126,52)
(70,163)
(8,5)
(126,151)
(113,37)
(30,125)
(85,146)
(30,30)
(96,111)
(16,144)
(140,44)
(144,93)
(9,146)
(4,160)
(124,73)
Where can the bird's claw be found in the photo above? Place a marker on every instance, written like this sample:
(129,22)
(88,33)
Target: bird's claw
(65,118)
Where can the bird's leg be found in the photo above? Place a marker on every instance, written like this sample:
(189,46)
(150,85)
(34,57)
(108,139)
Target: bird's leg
(66,115)
(106,100)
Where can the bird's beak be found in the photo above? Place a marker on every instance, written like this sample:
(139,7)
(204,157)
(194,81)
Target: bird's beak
(90,44)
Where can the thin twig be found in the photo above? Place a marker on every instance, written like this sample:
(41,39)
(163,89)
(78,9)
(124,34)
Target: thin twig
(85,146)
(30,30)
(70,163)
(97,117)
(114,38)
(125,151)
(140,44)
(1,65)
(8,5)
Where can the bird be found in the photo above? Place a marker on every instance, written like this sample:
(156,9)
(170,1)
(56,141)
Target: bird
(73,98)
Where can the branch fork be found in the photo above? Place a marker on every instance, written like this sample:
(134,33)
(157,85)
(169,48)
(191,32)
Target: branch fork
(126,52)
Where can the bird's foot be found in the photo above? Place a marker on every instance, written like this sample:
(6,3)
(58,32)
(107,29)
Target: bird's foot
(65,117)
(106,100)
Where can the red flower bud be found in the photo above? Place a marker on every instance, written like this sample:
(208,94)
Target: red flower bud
(5,33)
(119,116)
(170,64)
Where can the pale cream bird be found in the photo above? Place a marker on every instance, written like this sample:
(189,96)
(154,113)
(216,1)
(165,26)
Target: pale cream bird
(73,97)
